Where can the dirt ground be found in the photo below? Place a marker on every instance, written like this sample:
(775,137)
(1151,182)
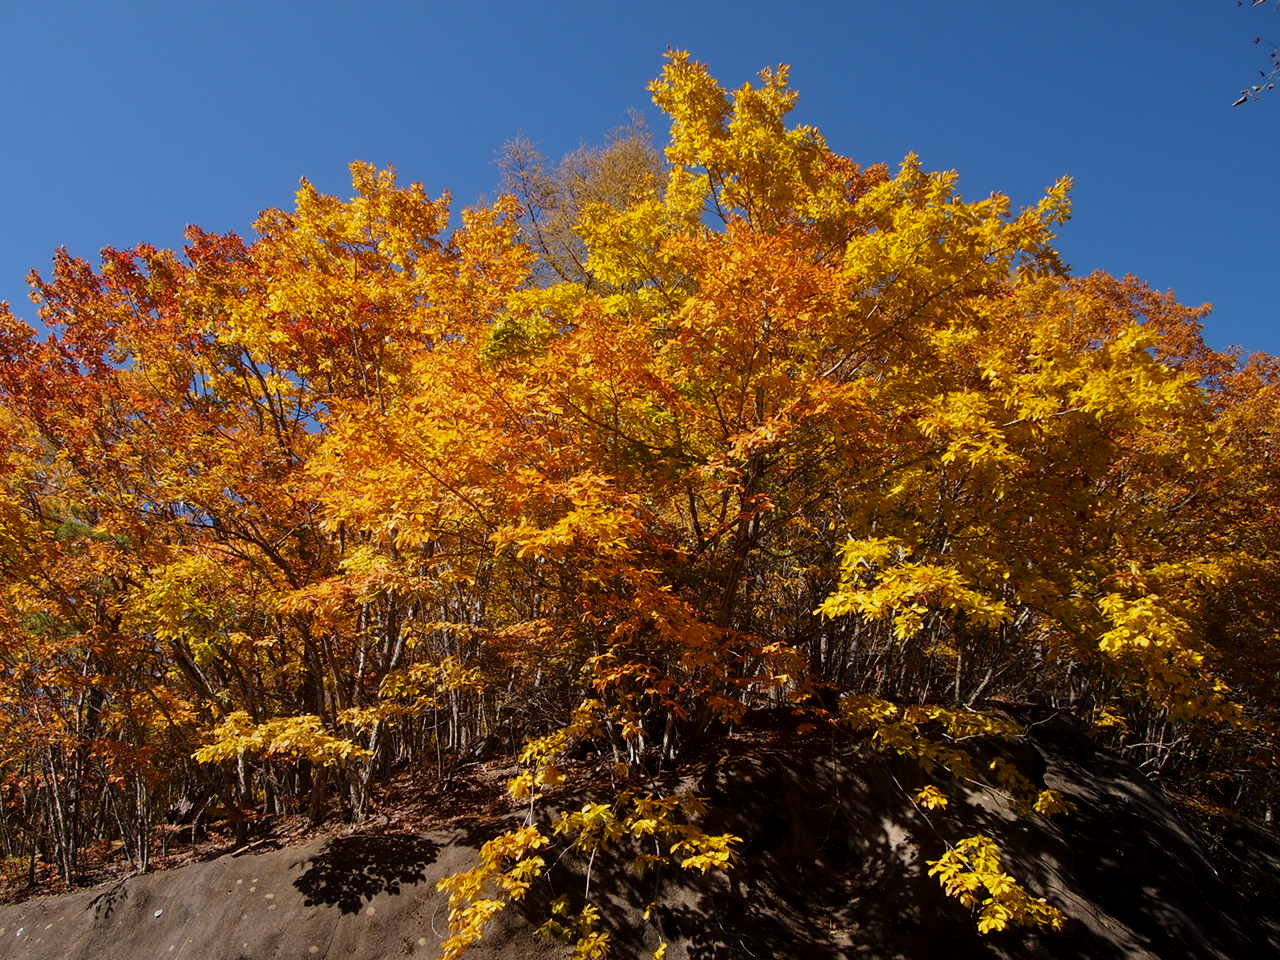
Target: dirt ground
(833,866)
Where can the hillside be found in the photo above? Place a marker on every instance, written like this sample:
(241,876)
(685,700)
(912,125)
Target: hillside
(832,867)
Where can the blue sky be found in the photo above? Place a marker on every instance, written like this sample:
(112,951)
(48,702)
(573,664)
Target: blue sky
(126,120)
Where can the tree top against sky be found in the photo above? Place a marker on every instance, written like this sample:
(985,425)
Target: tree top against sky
(128,122)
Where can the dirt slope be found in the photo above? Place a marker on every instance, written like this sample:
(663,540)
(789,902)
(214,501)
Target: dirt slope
(833,867)
(358,897)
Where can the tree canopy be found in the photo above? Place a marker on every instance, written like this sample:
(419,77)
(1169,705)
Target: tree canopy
(650,443)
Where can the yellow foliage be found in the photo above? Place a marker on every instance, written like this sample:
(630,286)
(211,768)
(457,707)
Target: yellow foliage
(972,868)
(931,798)
(1051,802)
(302,737)
(506,869)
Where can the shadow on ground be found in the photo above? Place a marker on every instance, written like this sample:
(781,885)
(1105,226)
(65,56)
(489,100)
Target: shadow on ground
(105,903)
(350,871)
(835,859)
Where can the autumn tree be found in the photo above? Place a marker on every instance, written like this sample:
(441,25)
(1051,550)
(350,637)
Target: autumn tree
(862,443)
(643,447)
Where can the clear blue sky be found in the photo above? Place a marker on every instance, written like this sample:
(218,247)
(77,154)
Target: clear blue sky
(126,120)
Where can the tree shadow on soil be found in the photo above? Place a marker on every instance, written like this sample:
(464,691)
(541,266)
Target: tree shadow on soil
(834,864)
(351,871)
(831,866)
(105,903)
(1124,852)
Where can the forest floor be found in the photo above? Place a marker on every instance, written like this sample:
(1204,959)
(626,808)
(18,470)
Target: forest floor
(833,865)
(410,801)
